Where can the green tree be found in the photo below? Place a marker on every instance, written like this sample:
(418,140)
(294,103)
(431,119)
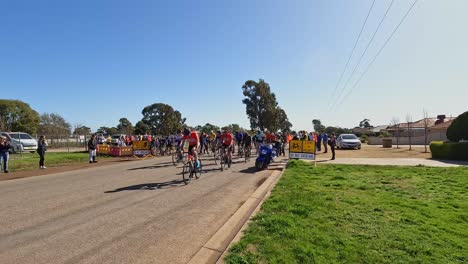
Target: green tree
(53,124)
(262,107)
(365,123)
(458,130)
(141,128)
(108,131)
(232,128)
(318,127)
(82,130)
(337,130)
(283,121)
(208,128)
(125,126)
(16,115)
(162,119)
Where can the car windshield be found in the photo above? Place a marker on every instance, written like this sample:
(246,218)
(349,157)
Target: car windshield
(20,136)
(349,137)
(116,137)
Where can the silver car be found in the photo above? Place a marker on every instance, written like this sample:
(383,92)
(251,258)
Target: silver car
(348,141)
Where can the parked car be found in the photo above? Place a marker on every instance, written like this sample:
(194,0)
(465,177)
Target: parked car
(348,141)
(20,141)
(115,139)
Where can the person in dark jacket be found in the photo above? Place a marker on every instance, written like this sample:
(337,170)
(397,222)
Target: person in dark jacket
(41,149)
(92,145)
(4,154)
(332,144)
(325,142)
(319,141)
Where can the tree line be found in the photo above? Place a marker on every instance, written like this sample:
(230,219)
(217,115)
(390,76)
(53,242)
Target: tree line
(262,109)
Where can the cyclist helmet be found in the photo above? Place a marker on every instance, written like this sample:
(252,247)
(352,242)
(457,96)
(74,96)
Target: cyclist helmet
(186,132)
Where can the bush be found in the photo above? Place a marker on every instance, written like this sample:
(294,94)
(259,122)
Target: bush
(449,150)
(364,138)
(458,130)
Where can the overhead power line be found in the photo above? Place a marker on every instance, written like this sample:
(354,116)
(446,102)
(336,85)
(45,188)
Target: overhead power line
(352,53)
(363,54)
(380,51)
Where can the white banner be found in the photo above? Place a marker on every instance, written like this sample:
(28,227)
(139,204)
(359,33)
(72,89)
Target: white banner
(306,156)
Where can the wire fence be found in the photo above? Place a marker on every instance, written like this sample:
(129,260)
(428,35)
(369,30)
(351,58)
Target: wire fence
(67,142)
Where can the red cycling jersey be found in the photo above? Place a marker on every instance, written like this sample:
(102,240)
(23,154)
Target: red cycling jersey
(193,138)
(227,139)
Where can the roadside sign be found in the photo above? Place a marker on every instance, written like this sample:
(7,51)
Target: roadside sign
(306,156)
(295,146)
(308,147)
(141,145)
(302,149)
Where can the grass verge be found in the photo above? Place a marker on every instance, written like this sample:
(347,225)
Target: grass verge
(360,214)
(30,161)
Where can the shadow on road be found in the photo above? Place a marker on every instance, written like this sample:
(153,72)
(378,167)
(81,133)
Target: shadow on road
(150,186)
(162,165)
(250,170)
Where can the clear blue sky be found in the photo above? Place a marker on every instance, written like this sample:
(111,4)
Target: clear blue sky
(94,62)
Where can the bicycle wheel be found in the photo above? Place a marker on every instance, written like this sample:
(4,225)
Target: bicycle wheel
(175,159)
(198,171)
(187,173)
(216,156)
(247,155)
(222,161)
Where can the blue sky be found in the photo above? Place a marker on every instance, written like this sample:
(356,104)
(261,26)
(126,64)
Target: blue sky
(94,62)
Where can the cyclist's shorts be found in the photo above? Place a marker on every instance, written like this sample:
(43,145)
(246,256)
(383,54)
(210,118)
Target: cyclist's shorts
(227,147)
(191,147)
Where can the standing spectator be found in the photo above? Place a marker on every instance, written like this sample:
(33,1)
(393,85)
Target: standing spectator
(92,149)
(332,143)
(4,154)
(319,141)
(41,150)
(325,141)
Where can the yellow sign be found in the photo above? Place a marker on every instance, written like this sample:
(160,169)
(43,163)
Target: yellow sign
(308,147)
(295,146)
(141,145)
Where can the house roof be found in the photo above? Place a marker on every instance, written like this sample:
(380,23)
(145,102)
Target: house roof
(420,124)
(442,126)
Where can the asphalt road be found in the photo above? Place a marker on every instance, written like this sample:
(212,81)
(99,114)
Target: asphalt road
(132,212)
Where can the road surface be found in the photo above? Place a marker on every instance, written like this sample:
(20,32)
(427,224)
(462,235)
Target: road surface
(132,212)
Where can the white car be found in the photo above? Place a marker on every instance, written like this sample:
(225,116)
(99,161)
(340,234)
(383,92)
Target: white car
(348,141)
(20,141)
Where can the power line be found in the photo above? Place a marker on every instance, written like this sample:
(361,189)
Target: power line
(363,53)
(380,51)
(352,53)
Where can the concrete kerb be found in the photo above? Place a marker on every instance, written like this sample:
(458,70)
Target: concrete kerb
(216,248)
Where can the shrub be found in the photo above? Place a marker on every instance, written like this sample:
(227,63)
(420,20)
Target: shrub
(364,138)
(458,130)
(449,150)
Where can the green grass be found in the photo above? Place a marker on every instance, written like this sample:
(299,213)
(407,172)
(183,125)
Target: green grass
(30,161)
(360,214)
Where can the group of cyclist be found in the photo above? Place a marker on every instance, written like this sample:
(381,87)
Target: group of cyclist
(226,142)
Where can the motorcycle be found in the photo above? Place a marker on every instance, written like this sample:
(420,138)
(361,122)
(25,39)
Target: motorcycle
(267,155)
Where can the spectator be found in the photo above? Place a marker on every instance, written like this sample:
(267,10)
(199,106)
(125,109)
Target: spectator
(332,143)
(295,136)
(319,141)
(4,154)
(41,150)
(92,149)
(325,141)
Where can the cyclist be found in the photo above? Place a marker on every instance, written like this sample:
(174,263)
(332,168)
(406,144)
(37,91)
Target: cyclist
(194,143)
(239,139)
(227,143)
(247,142)
(259,138)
